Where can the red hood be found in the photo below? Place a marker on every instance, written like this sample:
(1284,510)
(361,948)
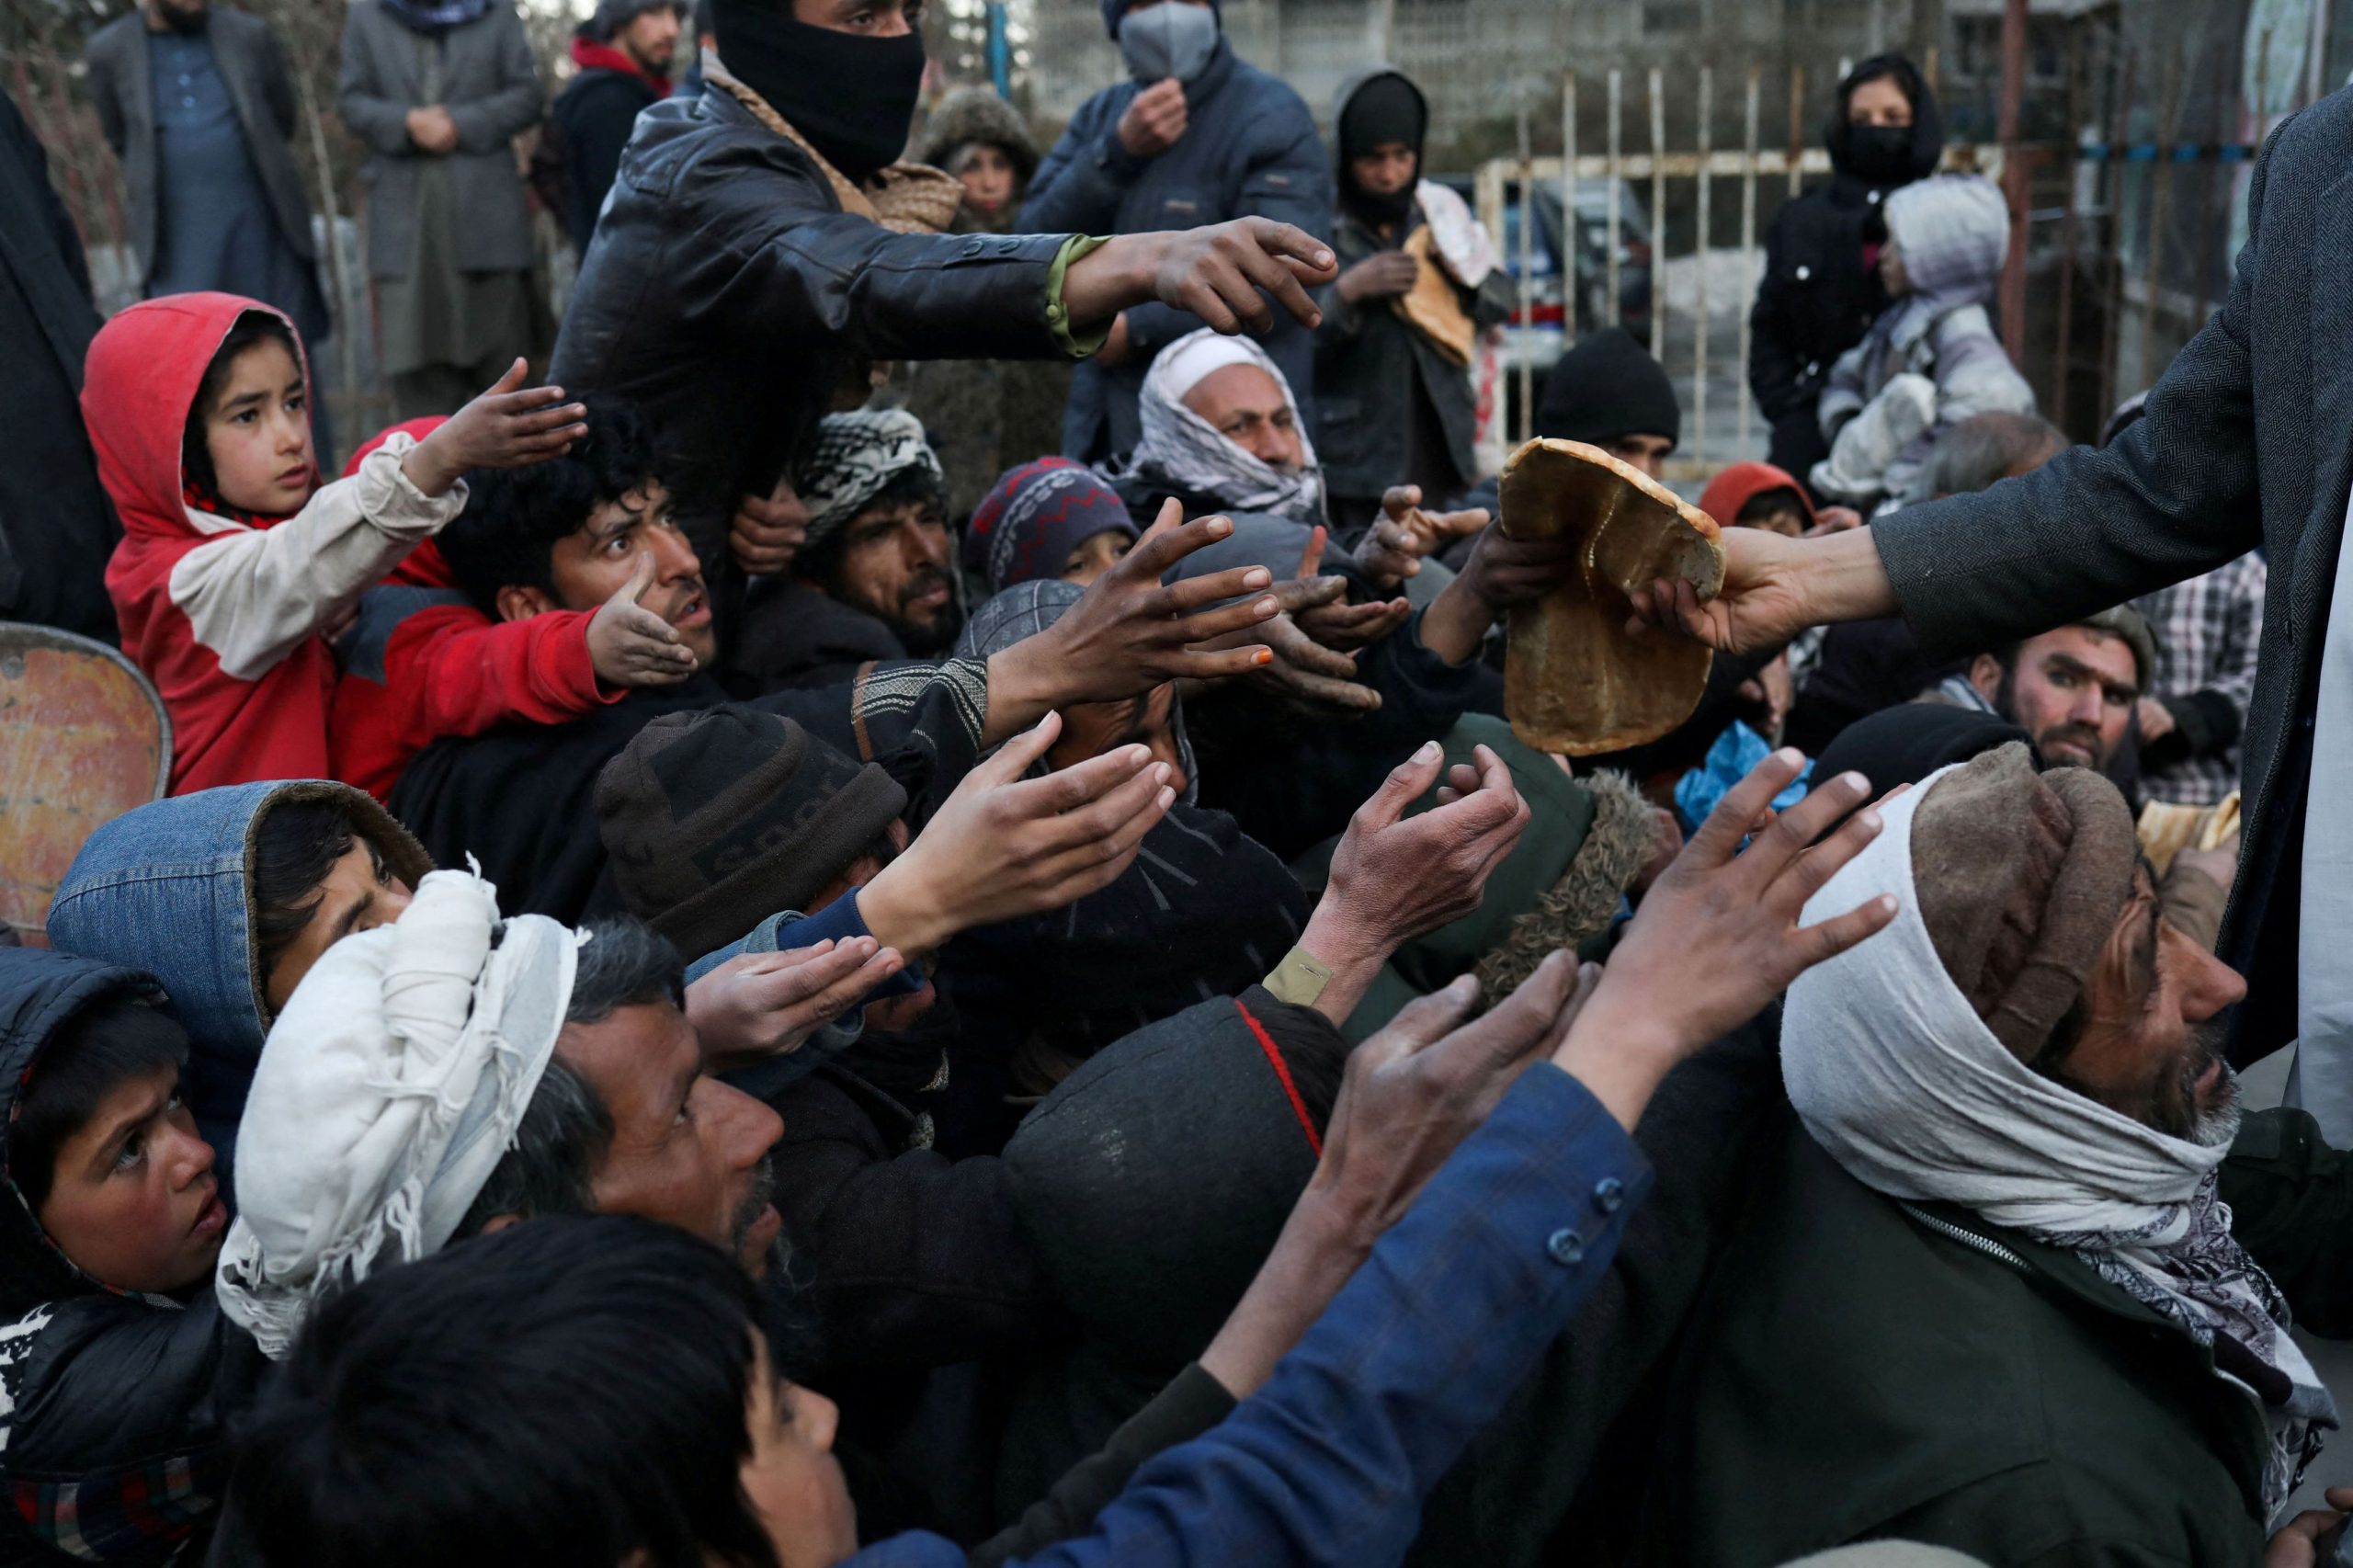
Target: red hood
(1742,483)
(138,384)
(590,56)
(423,567)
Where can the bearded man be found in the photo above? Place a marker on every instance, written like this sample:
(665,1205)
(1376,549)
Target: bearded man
(1985,1297)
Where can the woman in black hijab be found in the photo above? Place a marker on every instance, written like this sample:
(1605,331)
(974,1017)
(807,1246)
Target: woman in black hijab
(1821,289)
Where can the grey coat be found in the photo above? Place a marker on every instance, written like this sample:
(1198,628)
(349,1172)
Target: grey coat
(491,88)
(2248,442)
(247,54)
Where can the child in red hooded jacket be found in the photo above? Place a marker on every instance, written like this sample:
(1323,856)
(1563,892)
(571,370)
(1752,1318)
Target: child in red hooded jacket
(234,560)
(421,662)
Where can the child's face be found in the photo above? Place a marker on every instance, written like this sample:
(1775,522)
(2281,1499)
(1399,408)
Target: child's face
(1892,274)
(134,1201)
(259,433)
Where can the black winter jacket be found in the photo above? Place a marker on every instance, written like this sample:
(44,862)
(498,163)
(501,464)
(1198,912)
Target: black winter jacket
(113,1408)
(727,294)
(595,114)
(1818,299)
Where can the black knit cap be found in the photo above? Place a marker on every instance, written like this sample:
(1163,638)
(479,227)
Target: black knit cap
(1604,388)
(719,818)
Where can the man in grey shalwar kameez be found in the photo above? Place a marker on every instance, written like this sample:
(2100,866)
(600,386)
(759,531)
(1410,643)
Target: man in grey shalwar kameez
(439,89)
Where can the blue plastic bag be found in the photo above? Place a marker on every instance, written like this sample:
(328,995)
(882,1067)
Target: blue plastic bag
(1737,750)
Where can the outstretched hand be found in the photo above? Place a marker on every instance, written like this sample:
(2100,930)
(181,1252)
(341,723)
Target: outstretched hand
(1394,877)
(1004,845)
(1223,272)
(1331,621)
(1128,633)
(507,426)
(761,1004)
(1774,588)
(1393,549)
(1717,937)
(1408,1099)
(631,645)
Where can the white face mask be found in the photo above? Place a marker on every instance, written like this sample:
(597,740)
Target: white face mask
(1171,39)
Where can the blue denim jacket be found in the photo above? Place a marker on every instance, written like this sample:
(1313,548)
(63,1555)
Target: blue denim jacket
(1328,1463)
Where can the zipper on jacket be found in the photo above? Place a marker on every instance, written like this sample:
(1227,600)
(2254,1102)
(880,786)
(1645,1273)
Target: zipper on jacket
(1985,1244)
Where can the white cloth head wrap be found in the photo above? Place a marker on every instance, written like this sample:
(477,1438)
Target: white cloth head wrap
(1899,1080)
(1179,446)
(388,1090)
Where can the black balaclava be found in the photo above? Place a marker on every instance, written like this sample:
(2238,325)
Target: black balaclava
(1885,156)
(1604,388)
(1385,107)
(853,97)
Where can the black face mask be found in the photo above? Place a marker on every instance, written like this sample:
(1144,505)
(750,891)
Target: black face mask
(1880,154)
(853,97)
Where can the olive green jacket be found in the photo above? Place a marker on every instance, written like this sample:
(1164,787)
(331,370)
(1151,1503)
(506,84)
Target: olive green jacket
(1862,1368)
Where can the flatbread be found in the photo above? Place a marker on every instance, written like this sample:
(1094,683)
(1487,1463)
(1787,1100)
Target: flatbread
(1431,306)
(1573,681)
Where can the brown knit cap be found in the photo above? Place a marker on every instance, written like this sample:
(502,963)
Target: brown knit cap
(717,819)
(2020,878)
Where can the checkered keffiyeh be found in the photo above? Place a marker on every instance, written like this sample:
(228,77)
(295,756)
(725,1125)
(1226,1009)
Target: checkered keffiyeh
(856,454)
(2208,630)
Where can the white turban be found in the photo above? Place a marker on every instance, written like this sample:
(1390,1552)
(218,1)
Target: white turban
(388,1090)
(1180,448)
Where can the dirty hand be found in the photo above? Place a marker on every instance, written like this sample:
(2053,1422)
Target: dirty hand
(631,645)
(504,427)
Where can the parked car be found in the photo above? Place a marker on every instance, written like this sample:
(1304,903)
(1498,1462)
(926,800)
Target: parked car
(1540,338)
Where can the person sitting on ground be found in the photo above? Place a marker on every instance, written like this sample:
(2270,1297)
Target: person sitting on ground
(1932,359)
(118,1373)
(2209,628)
(421,662)
(230,896)
(1996,1203)
(873,579)
(517,796)
(1866,666)
(1049,518)
(983,416)
(1354,1395)
(234,559)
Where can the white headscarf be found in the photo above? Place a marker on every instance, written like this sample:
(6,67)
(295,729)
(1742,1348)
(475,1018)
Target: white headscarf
(1186,450)
(1898,1079)
(388,1090)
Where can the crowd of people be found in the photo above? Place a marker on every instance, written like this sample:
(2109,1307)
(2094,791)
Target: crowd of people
(895,919)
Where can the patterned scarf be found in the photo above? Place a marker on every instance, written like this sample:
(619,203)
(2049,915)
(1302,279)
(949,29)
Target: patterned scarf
(1186,452)
(1899,1080)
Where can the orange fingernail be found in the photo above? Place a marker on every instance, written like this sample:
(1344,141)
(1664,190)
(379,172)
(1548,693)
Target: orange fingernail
(1262,656)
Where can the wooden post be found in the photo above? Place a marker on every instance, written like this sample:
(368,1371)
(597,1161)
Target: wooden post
(1747,238)
(2160,208)
(1526,257)
(1797,123)
(1571,289)
(2063,355)
(2014,178)
(1617,185)
(1658,213)
(1699,293)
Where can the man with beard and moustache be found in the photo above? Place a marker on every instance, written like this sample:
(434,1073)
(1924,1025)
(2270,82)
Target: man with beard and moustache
(1984,1296)
(2072,691)
(1199,135)
(1395,405)
(762,251)
(1821,290)
(623,53)
(872,579)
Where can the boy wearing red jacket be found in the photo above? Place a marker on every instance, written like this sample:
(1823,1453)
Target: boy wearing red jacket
(234,560)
